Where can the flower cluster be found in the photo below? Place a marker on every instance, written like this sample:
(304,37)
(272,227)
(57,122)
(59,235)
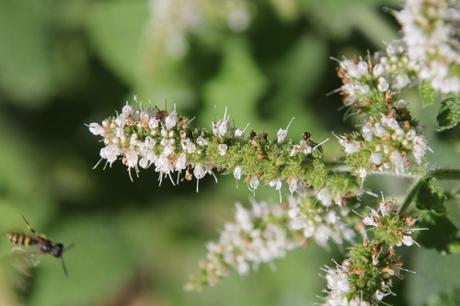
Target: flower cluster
(431,34)
(258,235)
(338,287)
(390,227)
(370,86)
(389,139)
(366,276)
(384,144)
(164,140)
(318,221)
(264,233)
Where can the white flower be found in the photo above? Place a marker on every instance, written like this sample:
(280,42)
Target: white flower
(281,134)
(371,219)
(222,148)
(419,148)
(362,68)
(188,146)
(292,183)
(324,197)
(131,158)
(127,110)
(382,84)
(378,70)
(243,217)
(407,240)
(376,158)
(202,141)
(275,184)
(153,123)
(237,172)
(171,120)
(110,153)
(199,171)
(350,146)
(318,222)
(163,165)
(322,234)
(254,182)
(220,128)
(181,162)
(401,81)
(96,129)
(239,132)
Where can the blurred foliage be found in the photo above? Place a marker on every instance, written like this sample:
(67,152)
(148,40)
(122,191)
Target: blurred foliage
(65,63)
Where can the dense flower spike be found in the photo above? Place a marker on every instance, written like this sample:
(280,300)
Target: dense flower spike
(366,275)
(164,140)
(384,144)
(431,32)
(319,222)
(264,233)
(389,139)
(371,85)
(258,235)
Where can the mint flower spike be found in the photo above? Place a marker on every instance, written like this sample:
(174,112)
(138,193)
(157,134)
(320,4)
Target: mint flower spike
(389,139)
(143,138)
(430,29)
(384,144)
(263,233)
(371,85)
(366,275)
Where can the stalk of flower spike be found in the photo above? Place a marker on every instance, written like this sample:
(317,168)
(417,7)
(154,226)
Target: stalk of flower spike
(431,33)
(166,142)
(264,233)
(366,276)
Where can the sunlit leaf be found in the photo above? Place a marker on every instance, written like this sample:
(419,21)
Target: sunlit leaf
(449,113)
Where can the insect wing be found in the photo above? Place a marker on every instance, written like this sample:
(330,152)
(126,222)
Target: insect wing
(23,259)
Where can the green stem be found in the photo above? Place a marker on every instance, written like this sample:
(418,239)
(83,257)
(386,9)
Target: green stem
(441,174)
(411,196)
(445,174)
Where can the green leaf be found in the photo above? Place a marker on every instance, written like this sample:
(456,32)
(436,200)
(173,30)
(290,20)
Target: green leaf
(441,233)
(427,93)
(449,113)
(431,196)
(436,274)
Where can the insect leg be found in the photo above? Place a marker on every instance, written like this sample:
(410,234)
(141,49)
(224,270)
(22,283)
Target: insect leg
(32,230)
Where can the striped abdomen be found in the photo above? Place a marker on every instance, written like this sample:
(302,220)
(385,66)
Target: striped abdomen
(20,239)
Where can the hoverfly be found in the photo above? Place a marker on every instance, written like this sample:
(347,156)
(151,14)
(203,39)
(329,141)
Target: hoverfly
(44,245)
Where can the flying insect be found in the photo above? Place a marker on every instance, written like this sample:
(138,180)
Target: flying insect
(43,244)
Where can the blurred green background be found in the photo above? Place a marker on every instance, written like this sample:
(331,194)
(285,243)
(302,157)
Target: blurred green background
(64,63)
